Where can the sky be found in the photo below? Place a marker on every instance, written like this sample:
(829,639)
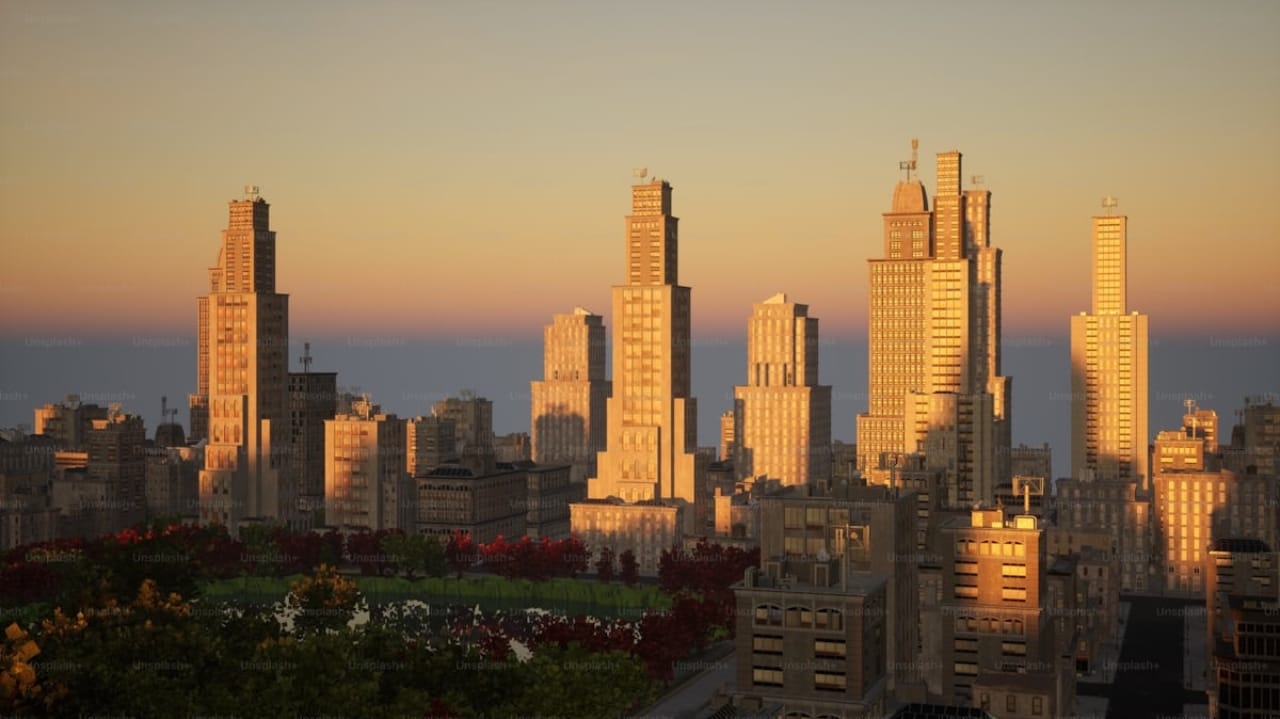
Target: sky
(462,169)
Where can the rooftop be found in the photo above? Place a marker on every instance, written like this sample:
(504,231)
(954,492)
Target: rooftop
(1240,546)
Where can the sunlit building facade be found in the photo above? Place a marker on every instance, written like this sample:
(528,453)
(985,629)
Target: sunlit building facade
(935,330)
(1109,370)
(568,423)
(243,377)
(365,482)
(652,416)
(782,416)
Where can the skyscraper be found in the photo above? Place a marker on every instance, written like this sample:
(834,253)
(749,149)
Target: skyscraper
(568,408)
(652,419)
(782,416)
(243,376)
(1109,369)
(935,377)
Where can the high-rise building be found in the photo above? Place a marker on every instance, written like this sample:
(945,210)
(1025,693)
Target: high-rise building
(1242,596)
(1255,440)
(117,461)
(243,376)
(652,417)
(936,386)
(365,481)
(431,443)
(68,422)
(472,419)
(782,416)
(1109,369)
(728,430)
(313,399)
(997,645)
(568,423)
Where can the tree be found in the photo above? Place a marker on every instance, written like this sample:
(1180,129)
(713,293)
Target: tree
(414,554)
(460,553)
(323,602)
(575,682)
(604,565)
(630,568)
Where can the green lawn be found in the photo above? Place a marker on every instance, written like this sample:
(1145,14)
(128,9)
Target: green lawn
(563,596)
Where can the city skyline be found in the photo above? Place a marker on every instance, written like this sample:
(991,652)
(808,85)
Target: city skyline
(450,176)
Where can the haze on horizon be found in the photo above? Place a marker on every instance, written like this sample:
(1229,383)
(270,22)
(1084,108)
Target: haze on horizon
(462,169)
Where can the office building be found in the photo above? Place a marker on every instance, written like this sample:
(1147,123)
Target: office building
(365,482)
(432,442)
(568,424)
(242,377)
(652,417)
(815,643)
(782,416)
(997,644)
(936,382)
(1255,439)
(1243,602)
(313,400)
(866,531)
(1109,369)
(68,422)
(472,419)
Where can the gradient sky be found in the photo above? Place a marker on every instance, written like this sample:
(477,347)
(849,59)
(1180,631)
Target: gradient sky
(463,167)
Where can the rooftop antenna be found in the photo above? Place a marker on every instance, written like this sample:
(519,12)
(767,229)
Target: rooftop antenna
(251,193)
(640,173)
(910,166)
(306,357)
(977,180)
(1110,203)
(166,413)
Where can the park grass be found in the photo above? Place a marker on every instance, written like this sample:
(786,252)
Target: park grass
(559,595)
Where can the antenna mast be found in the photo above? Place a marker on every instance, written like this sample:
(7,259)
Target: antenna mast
(910,166)
(306,357)
(166,413)
(1110,203)
(640,173)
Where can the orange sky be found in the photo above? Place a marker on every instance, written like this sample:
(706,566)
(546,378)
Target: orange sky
(439,170)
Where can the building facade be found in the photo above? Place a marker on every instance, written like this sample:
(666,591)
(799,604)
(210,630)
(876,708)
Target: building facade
(568,424)
(782,416)
(652,416)
(242,394)
(1109,370)
(432,442)
(365,482)
(313,399)
(997,645)
(817,649)
(935,330)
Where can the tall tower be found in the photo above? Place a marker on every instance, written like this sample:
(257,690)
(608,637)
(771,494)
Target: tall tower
(568,409)
(652,419)
(935,382)
(1109,369)
(244,375)
(782,416)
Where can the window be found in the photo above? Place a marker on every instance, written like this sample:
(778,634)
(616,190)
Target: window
(1011,703)
(829,681)
(1037,705)
(827,648)
(769,614)
(764,644)
(766,676)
